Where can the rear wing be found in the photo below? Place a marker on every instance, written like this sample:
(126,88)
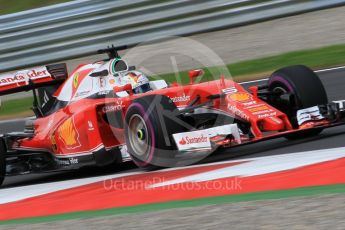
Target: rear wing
(29,79)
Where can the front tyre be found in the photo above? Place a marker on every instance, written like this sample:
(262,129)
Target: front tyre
(305,87)
(149,124)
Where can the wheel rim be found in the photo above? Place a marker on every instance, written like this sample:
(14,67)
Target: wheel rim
(279,89)
(138,136)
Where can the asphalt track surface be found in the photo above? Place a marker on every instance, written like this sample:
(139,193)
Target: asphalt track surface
(334,82)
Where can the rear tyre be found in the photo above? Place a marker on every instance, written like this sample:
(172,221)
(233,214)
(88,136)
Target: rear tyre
(2,161)
(149,124)
(305,87)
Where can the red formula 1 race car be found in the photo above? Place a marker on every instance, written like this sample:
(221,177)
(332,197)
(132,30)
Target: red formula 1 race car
(106,112)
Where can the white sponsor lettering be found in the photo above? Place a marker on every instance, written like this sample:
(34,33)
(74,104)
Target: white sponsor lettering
(237,112)
(66,162)
(74,161)
(230,90)
(200,139)
(24,76)
(103,92)
(249,104)
(193,140)
(182,98)
(260,116)
(114,107)
(309,114)
(62,162)
(263,111)
(82,93)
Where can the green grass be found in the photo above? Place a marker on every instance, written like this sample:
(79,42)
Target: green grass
(268,195)
(15,106)
(315,58)
(13,6)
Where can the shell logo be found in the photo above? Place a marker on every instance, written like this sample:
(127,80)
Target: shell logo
(69,134)
(240,97)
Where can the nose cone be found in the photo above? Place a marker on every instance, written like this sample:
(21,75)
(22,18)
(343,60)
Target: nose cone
(271,124)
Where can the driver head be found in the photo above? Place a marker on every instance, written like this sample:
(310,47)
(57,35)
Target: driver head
(140,83)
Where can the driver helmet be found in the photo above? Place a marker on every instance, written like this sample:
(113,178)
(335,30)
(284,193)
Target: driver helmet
(117,65)
(140,83)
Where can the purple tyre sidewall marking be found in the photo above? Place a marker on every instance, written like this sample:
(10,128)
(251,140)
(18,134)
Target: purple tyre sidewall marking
(283,81)
(151,131)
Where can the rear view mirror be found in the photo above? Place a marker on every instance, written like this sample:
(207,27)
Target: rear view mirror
(195,73)
(131,68)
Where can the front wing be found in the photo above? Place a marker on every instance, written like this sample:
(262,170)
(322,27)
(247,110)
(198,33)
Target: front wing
(206,140)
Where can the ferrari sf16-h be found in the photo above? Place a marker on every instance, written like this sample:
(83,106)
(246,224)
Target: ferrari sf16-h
(106,113)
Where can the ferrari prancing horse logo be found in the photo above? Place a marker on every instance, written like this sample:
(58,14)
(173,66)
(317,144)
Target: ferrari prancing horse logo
(76,80)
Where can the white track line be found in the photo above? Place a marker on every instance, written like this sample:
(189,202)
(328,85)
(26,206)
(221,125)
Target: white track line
(248,82)
(330,69)
(262,165)
(8,195)
(316,71)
